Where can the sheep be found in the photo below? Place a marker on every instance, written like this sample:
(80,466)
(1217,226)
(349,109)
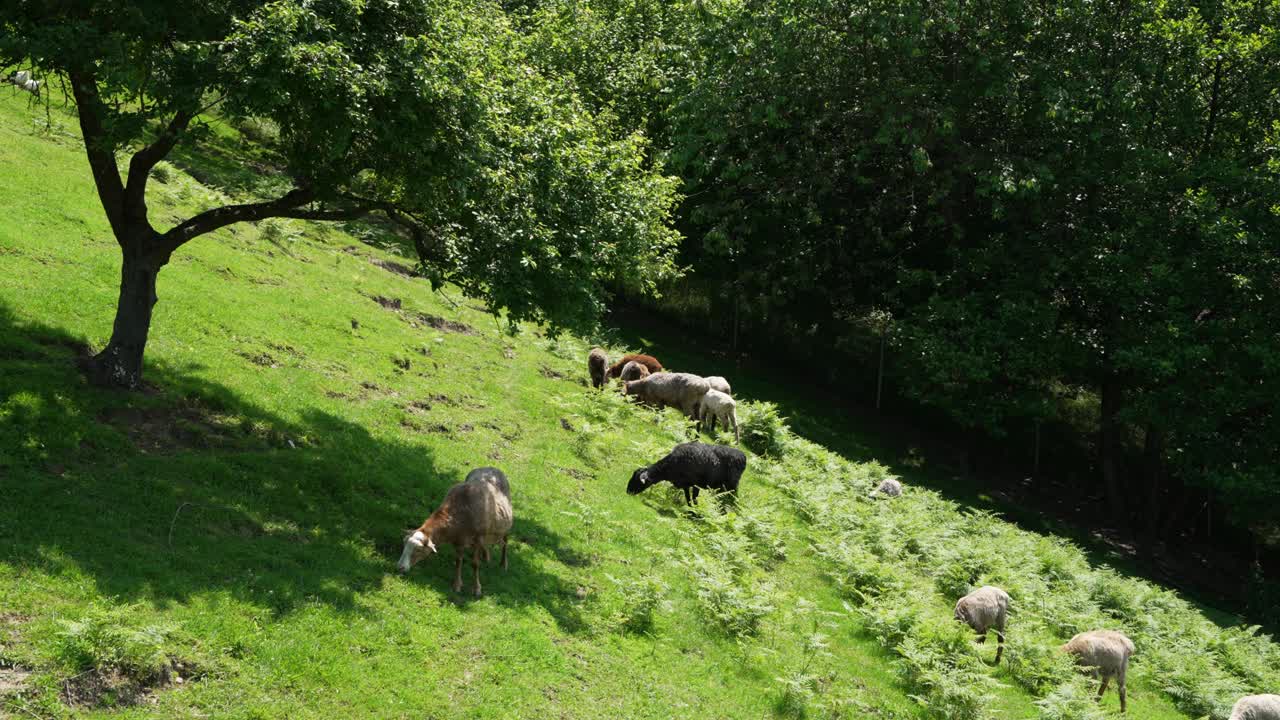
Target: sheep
(984,610)
(890,487)
(719,406)
(718,383)
(597,366)
(634,371)
(648,361)
(1105,653)
(693,466)
(680,390)
(23,79)
(1256,707)
(475,513)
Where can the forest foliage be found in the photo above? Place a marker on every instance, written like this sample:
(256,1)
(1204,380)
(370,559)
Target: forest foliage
(1036,207)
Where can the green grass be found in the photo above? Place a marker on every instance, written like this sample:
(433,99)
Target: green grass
(239,521)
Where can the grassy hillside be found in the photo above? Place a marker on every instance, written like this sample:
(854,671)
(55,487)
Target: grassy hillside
(236,525)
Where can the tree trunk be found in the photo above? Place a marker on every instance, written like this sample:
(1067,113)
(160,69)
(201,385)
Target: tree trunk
(1109,449)
(120,362)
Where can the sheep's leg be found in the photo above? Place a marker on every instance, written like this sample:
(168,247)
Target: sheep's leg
(1120,687)
(504,552)
(457,570)
(982,639)
(475,564)
(1103,688)
(688,499)
(737,437)
(695,494)
(999,645)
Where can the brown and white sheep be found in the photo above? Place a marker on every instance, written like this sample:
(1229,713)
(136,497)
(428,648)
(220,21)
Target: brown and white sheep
(597,366)
(633,371)
(984,610)
(648,361)
(679,390)
(1256,707)
(1106,654)
(475,514)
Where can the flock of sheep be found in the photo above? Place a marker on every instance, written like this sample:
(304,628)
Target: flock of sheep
(477,514)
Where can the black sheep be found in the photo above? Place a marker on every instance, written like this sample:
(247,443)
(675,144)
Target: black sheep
(692,466)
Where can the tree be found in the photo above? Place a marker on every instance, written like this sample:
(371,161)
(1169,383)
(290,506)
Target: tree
(429,112)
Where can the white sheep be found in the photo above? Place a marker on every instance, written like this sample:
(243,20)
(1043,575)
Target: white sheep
(1256,707)
(718,383)
(1106,654)
(890,487)
(718,406)
(984,610)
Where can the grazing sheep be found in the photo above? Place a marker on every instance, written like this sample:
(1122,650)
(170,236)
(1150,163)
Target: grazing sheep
(693,466)
(718,406)
(474,514)
(679,390)
(718,383)
(597,366)
(984,610)
(23,79)
(890,487)
(1105,653)
(648,361)
(634,371)
(1256,707)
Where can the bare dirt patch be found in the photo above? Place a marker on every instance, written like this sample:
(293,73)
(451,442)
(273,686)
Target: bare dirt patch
(109,687)
(440,323)
(13,680)
(260,358)
(548,372)
(169,429)
(394,267)
(386,302)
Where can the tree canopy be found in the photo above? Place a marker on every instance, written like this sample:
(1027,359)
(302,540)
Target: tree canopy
(431,112)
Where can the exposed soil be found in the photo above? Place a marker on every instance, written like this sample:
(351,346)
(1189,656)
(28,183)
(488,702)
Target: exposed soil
(395,267)
(575,473)
(550,373)
(13,680)
(386,302)
(440,323)
(109,687)
(433,428)
(169,429)
(259,358)
(564,423)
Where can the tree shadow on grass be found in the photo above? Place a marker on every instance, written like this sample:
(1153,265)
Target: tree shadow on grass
(189,489)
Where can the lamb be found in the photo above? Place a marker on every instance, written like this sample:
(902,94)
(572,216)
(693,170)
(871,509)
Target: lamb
(648,361)
(1105,653)
(693,466)
(680,390)
(1256,707)
(719,406)
(634,371)
(474,514)
(984,610)
(718,383)
(597,366)
(890,487)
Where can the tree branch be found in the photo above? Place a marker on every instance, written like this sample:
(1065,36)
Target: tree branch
(144,160)
(100,149)
(289,205)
